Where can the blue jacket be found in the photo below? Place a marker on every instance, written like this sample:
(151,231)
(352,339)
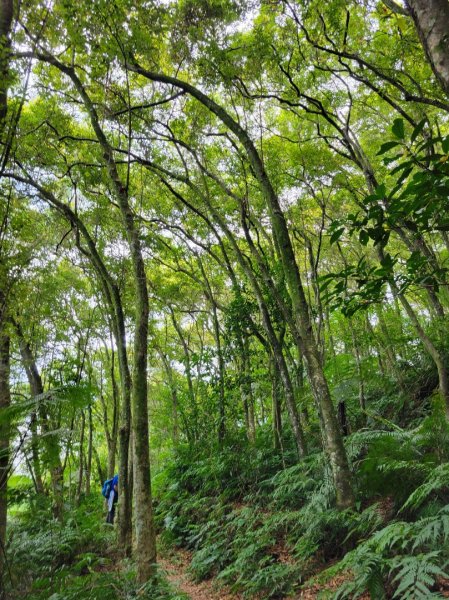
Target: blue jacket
(113,484)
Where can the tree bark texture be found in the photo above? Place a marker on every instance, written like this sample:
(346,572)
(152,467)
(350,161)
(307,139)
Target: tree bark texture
(431,18)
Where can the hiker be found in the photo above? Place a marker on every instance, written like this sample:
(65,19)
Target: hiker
(112,498)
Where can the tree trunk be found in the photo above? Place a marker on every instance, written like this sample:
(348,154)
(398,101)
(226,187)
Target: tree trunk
(111,431)
(35,458)
(390,353)
(35,389)
(221,383)
(50,440)
(81,458)
(188,369)
(377,347)
(358,362)
(174,395)
(342,418)
(89,451)
(273,341)
(431,18)
(5,400)
(416,243)
(246,389)
(443,375)
(290,399)
(101,474)
(276,406)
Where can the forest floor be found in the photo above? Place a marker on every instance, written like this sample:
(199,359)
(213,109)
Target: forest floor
(175,568)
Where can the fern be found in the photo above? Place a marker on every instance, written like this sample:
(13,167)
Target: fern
(389,556)
(432,531)
(368,576)
(437,479)
(416,575)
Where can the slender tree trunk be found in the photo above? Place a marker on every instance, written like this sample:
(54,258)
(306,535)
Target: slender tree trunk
(5,400)
(416,243)
(111,431)
(81,458)
(443,375)
(114,302)
(342,418)
(246,389)
(275,345)
(276,406)
(50,440)
(35,459)
(358,362)
(377,347)
(188,369)
(271,335)
(174,396)
(101,474)
(297,376)
(290,400)
(390,353)
(35,389)
(317,294)
(221,375)
(89,450)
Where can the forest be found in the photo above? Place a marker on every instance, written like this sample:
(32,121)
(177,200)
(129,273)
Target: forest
(224,268)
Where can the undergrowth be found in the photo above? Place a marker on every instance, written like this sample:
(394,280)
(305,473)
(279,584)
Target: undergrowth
(72,560)
(265,524)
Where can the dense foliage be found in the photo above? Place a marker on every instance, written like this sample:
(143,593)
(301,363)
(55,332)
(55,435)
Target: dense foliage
(224,249)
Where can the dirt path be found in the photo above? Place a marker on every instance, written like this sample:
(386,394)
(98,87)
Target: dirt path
(175,568)
(176,573)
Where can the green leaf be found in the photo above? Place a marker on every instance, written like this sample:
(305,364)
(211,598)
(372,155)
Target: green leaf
(418,129)
(387,146)
(404,175)
(363,237)
(445,144)
(336,235)
(381,191)
(404,165)
(398,128)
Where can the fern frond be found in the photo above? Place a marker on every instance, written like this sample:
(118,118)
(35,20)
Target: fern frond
(416,575)
(437,479)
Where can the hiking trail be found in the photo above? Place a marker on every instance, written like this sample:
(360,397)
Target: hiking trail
(175,569)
